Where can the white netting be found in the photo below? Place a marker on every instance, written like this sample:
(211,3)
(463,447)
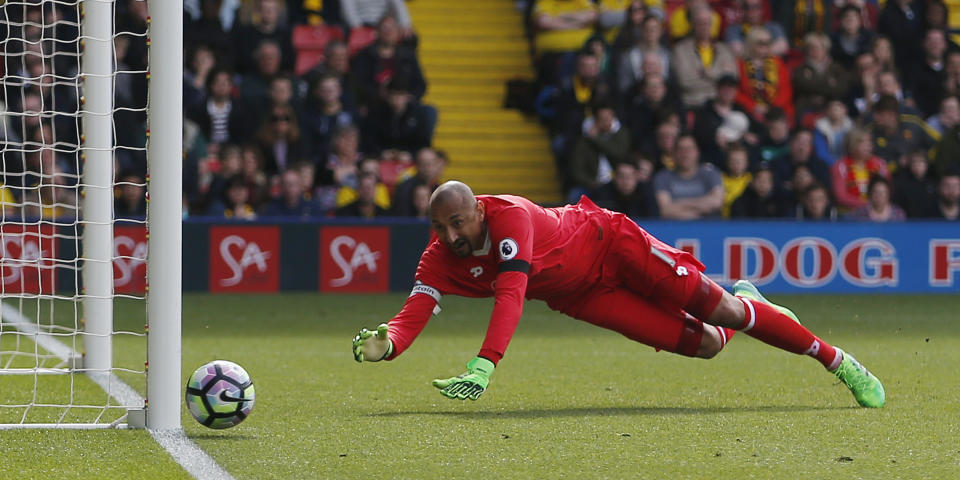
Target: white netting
(44,152)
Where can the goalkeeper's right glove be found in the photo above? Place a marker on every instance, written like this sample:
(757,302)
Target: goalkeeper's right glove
(372,346)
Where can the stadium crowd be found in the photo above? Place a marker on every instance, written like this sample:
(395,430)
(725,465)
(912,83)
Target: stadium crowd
(291,108)
(808,109)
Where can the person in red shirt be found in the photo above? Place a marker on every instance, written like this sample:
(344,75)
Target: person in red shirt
(593,265)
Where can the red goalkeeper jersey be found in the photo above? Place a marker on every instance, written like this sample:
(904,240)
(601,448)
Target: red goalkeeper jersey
(551,254)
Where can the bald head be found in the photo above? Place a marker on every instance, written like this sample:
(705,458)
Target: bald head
(457,218)
(453,195)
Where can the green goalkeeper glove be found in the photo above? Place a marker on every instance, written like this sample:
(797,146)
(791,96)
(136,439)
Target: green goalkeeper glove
(372,346)
(470,384)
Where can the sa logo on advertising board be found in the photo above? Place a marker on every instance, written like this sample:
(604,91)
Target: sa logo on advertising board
(130,259)
(26,258)
(244,259)
(354,259)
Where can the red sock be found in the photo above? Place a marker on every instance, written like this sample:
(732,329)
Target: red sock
(767,324)
(725,334)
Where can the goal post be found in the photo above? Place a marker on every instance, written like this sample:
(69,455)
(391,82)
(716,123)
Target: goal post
(72,276)
(165,211)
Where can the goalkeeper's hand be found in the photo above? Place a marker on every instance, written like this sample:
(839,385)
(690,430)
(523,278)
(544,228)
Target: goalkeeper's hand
(471,384)
(372,346)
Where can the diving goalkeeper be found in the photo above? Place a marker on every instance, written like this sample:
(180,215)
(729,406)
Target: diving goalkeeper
(593,265)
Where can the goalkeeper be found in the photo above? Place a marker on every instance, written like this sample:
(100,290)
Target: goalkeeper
(591,264)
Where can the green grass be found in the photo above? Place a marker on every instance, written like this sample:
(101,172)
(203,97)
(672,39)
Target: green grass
(568,401)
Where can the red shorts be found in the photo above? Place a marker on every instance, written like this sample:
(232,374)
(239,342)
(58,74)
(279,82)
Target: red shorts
(650,292)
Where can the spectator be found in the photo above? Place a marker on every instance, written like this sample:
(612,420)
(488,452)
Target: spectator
(801,154)
(348,193)
(819,78)
(895,134)
(736,177)
(336,63)
(869,11)
(901,22)
(254,175)
(359,13)
(561,28)
(863,85)
(690,191)
(631,31)
(948,196)
(625,193)
(764,79)
(400,121)
(914,188)
(717,113)
(948,115)
(602,145)
(209,32)
(928,78)
(851,175)
(421,202)
(131,199)
(882,52)
(202,63)
(255,84)
(699,61)
(775,141)
(815,204)
(267,26)
(761,199)
(665,142)
(221,118)
(574,96)
(364,206)
(340,167)
(830,132)
(279,139)
(430,168)
(951,82)
(308,177)
(385,60)
(9,207)
(630,68)
(323,113)
(229,163)
(292,202)
(802,17)
(878,207)
(683,20)
(851,39)
(754,18)
(235,201)
(647,107)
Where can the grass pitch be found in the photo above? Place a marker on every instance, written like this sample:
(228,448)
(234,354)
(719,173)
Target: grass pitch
(569,400)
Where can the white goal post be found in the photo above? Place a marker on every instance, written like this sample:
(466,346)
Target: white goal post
(65,125)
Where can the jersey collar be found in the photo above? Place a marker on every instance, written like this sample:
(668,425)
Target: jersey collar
(486,247)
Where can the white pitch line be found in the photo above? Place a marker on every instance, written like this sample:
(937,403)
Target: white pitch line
(186,453)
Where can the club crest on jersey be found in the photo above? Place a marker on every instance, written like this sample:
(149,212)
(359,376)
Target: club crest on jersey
(476,271)
(508,249)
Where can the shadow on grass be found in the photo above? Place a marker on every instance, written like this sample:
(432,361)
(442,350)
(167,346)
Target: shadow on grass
(612,411)
(222,437)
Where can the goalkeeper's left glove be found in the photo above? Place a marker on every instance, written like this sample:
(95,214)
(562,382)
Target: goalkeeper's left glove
(470,384)
(372,346)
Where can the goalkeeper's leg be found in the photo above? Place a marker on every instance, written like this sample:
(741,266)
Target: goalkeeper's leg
(641,320)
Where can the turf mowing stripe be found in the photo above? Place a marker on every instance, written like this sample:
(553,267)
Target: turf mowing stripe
(186,453)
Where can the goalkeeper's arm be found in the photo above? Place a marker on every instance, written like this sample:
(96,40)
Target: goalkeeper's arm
(391,339)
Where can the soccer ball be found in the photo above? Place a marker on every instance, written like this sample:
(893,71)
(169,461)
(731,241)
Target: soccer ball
(220,394)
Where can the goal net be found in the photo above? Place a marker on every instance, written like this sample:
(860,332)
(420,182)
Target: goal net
(74,220)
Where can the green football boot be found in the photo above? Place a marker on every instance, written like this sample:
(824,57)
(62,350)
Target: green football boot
(745,289)
(866,388)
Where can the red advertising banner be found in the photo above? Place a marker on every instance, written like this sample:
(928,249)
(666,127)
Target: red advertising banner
(130,259)
(354,259)
(244,259)
(26,258)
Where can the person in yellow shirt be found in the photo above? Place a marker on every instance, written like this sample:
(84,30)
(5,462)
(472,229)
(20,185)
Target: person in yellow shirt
(9,207)
(736,176)
(561,29)
(347,194)
(680,24)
